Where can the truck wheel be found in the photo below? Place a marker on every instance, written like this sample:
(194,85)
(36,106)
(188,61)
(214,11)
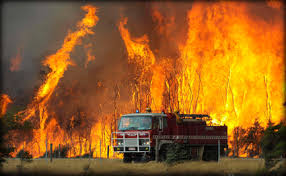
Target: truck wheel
(127,158)
(210,154)
(163,154)
(144,158)
(138,158)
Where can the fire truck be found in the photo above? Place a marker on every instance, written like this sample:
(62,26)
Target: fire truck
(151,136)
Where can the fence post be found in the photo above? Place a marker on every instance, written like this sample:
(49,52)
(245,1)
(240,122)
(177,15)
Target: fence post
(100,149)
(108,152)
(68,150)
(51,152)
(89,150)
(59,150)
(94,151)
(234,150)
(46,148)
(218,151)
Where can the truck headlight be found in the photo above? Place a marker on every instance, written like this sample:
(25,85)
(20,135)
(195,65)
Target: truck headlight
(144,142)
(119,142)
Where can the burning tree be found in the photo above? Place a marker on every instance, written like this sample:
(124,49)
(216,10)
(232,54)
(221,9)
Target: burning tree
(253,139)
(238,140)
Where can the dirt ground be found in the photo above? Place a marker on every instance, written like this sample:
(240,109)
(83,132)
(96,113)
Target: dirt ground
(226,166)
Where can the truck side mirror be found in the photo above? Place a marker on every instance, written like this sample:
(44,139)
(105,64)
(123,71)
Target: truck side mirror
(118,124)
(160,124)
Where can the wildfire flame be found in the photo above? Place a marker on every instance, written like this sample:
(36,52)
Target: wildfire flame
(58,63)
(4,101)
(140,53)
(90,57)
(137,48)
(230,65)
(274,3)
(227,61)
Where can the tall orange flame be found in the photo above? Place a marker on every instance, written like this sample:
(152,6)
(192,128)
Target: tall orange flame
(137,48)
(140,53)
(231,66)
(227,65)
(58,63)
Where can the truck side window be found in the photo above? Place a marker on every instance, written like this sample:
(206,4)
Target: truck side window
(155,123)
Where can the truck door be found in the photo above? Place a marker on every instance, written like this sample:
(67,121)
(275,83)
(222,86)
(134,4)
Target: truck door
(161,128)
(163,125)
(159,125)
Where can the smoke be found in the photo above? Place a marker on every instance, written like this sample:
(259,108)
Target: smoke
(39,29)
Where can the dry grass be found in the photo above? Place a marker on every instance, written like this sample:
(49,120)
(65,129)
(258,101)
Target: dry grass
(116,167)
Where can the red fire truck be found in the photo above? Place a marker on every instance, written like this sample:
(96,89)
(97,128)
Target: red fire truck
(150,136)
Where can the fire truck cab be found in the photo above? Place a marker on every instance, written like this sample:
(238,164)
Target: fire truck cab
(149,136)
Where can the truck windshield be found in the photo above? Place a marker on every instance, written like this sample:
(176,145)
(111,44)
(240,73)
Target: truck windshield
(135,123)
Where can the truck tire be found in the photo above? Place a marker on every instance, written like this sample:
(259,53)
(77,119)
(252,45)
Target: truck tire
(144,158)
(138,158)
(127,158)
(210,154)
(163,153)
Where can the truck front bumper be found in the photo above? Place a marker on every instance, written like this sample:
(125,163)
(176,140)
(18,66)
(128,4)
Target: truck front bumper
(131,149)
(124,144)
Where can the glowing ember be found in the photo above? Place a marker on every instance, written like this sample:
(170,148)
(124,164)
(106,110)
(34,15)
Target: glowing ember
(90,57)
(274,3)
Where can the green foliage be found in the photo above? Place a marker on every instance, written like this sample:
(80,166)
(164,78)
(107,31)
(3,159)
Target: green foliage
(64,152)
(273,142)
(85,155)
(2,148)
(177,152)
(27,125)
(24,156)
(13,122)
(10,121)
(248,140)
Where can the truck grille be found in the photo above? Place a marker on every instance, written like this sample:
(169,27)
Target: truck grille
(131,142)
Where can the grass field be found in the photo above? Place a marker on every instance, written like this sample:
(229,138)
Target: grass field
(227,166)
